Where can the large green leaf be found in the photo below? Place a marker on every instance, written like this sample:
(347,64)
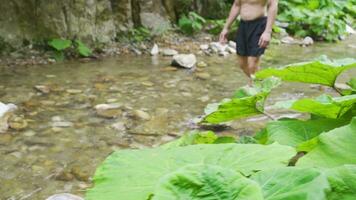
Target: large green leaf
(60,44)
(260,87)
(133,174)
(82,49)
(192,138)
(234,109)
(333,149)
(206,182)
(292,184)
(318,72)
(324,106)
(293,132)
(343,183)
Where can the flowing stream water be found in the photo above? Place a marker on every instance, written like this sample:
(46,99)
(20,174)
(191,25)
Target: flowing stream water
(64,139)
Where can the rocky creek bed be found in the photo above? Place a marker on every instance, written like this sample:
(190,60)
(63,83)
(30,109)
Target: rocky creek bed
(72,115)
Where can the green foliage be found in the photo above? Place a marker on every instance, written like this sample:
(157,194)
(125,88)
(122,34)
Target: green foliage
(292,183)
(343,182)
(324,72)
(60,44)
(206,182)
(293,132)
(139,34)
(61,47)
(191,24)
(324,168)
(206,137)
(82,49)
(247,101)
(324,105)
(324,19)
(333,149)
(135,174)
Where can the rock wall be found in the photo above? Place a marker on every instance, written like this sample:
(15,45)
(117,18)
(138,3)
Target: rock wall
(93,21)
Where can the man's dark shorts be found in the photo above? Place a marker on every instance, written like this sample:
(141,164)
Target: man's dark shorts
(248,36)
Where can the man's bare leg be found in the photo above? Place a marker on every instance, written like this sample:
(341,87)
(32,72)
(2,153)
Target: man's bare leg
(253,64)
(243,62)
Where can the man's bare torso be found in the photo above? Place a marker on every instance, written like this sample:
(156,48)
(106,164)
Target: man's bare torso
(252,9)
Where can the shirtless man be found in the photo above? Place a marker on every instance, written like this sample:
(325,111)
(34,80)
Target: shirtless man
(254,33)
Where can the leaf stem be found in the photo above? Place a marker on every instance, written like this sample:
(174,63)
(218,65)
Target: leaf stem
(269,116)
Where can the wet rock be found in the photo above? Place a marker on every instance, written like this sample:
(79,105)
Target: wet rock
(232,44)
(64,196)
(43,89)
(217,47)
(154,50)
(288,40)
(108,110)
(18,123)
(65,175)
(110,114)
(74,91)
(5,138)
(202,64)
(108,106)
(231,50)
(80,173)
(307,41)
(184,60)
(169,52)
(204,47)
(203,75)
(204,98)
(61,124)
(223,53)
(141,115)
(147,83)
(119,126)
(5,112)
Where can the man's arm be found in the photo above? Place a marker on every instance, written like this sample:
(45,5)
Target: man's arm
(234,12)
(271,18)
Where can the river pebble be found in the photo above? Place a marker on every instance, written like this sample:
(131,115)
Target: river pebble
(64,196)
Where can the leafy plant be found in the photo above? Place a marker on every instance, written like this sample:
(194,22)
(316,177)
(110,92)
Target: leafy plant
(324,19)
(63,46)
(191,24)
(135,174)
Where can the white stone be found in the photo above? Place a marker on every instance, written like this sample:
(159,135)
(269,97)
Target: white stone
(217,47)
(204,47)
(64,196)
(232,44)
(184,60)
(169,52)
(308,41)
(154,50)
(62,124)
(5,111)
(108,106)
(350,30)
(231,50)
(288,40)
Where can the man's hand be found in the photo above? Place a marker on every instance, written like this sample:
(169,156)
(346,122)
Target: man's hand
(223,36)
(264,40)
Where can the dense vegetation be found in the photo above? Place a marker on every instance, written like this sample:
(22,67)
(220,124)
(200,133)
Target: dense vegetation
(322,20)
(310,159)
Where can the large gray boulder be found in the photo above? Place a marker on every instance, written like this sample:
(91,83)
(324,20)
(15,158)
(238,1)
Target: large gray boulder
(184,60)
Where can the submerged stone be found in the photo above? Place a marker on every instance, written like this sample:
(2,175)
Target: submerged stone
(64,196)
